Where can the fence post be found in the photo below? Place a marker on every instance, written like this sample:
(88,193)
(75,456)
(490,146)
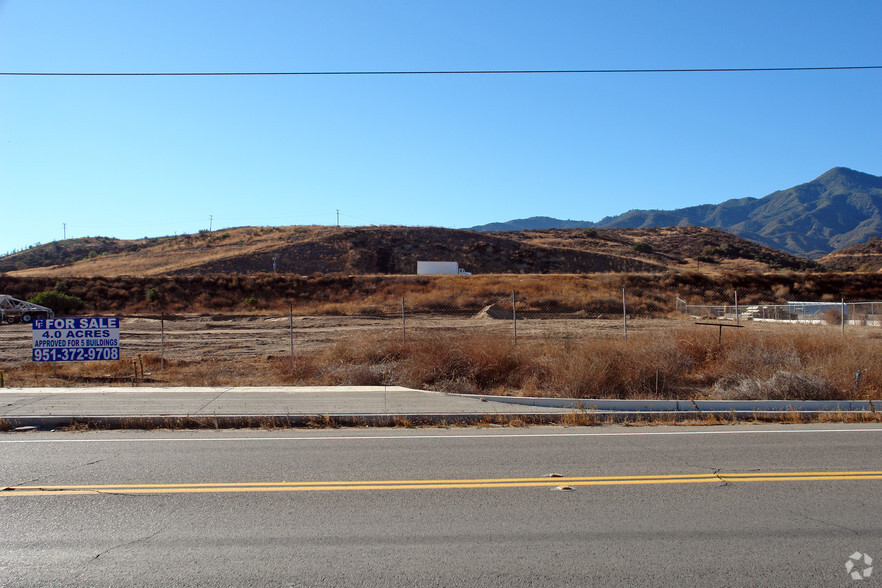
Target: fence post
(737,319)
(624,316)
(291,327)
(514,317)
(161,340)
(842,317)
(403,322)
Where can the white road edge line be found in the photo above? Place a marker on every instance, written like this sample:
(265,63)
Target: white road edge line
(451,437)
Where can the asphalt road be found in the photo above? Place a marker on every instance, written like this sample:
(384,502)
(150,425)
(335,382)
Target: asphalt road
(728,506)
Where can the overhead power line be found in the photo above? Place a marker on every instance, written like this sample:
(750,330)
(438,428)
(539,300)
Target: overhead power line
(440,72)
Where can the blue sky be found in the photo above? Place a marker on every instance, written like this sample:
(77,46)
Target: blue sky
(133,157)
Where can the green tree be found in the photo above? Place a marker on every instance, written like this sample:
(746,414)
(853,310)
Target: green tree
(153,295)
(59,302)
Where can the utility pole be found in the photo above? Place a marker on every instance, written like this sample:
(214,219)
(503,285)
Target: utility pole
(338,217)
(210,220)
(65,230)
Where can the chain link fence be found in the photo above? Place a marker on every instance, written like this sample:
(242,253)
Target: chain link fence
(818,312)
(551,309)
(514,315)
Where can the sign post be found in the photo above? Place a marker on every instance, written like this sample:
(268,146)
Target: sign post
(76,339)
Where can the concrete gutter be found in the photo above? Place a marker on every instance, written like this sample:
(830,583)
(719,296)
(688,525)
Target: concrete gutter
(691,406)
(379,406)
(270,421)
(234,407)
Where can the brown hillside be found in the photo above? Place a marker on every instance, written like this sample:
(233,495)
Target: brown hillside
(585,294)
(866,257)
(674,247)
(395,251)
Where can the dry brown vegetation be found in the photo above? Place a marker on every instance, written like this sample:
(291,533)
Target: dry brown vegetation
(790,363)
(571,355)
(585,294)
(395,251)
(866,257)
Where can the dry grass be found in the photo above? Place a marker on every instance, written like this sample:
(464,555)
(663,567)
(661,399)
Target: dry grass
(790,364)
(537,294)
(395,250)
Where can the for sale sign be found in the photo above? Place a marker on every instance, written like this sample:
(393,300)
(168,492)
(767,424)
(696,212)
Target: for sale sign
(76,339)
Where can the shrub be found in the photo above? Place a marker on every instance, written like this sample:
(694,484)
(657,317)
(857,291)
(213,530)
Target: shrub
(783,385)
(153,295)
(642,247)
(832,316)
(59,302)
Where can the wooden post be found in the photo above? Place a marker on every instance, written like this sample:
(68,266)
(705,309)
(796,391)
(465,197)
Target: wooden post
(514,317)
(291,328)
(624,315)
(161,340)
(737,318)
(403,322)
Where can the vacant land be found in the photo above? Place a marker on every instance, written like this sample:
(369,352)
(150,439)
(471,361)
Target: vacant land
(574,357)
(458,334)
(250,337)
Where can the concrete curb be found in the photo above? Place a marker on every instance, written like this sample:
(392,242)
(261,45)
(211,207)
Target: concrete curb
(269,421)
(593,417)
(689,406)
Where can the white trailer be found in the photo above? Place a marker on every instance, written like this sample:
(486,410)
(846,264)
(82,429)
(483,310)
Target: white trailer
(13,310)
(443,268)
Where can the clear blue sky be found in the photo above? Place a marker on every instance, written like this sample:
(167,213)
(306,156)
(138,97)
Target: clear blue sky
(133,157)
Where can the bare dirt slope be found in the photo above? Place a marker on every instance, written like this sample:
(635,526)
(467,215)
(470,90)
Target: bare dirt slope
(395,251)
(864,258)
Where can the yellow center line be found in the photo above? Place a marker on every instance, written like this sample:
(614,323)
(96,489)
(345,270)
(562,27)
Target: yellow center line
(315,486)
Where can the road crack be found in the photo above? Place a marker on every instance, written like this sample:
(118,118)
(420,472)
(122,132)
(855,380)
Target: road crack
(127,544)
(203,407)
(12,487)
(797,514)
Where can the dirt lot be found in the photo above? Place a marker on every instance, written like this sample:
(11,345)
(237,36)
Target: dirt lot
(557,356)
(192,338)
(228,336)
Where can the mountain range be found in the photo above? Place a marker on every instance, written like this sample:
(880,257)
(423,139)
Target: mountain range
(840,208)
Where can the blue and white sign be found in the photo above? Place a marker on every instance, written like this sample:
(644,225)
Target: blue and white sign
(76,339)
